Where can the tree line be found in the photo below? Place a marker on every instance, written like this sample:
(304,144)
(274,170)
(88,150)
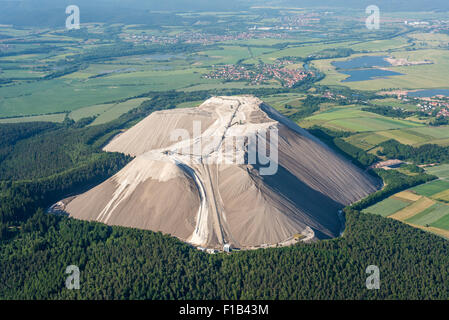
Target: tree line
(424,154)
(124,263)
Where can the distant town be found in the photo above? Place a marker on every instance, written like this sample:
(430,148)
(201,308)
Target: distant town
(203,38)
(261,74)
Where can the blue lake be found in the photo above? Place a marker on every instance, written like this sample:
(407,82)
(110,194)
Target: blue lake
(429,93)
(362,62)
(368,74)
(364,68)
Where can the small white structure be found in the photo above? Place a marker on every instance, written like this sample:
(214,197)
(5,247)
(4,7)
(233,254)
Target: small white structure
(227,247)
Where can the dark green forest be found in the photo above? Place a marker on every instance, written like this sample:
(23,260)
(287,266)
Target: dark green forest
(427,153)
(122,263)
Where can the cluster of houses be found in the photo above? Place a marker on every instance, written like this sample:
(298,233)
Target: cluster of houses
(205,38)
(433,25)
(260,74)
(142,38)
(444,113)
(201,38)
(301,20)
(429,106)
(331,95)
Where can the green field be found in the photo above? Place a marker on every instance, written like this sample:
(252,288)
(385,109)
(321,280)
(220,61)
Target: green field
(366,141)
(442,196)
(387,207)
(415,136)
(406,136)
(69,94)
(229,54)
(430,215)
(116,110)
(299,51)
(351,118)
(59,95)
(441,171)
(443,222)
(369,124)
(433,134)
(381,45)
(425,206)
(432,188)
(91,111)
(58,117)
(392,102)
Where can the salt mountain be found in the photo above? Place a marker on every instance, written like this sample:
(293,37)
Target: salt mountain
(183,182)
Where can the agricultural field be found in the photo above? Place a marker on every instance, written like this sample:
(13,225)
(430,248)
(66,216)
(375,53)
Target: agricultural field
(57,117)
(412,209)
(105,112)
(411,136)
(366,140)
(406,136)
(441,171)
(92,88)
(423,213)
(302,50)
(36,88)
(431,40)
(387,207)
(431,216)
(59,95)
(425,206)
(287,104)
(432,188)
(351,118)
(393,102)
(116,110)
(442,196)
(228,54)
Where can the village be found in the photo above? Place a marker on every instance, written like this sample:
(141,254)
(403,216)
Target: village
(202,38)
(437,107)
(260,74)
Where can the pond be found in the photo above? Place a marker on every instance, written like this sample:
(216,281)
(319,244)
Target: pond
(429,93)
(364,68)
